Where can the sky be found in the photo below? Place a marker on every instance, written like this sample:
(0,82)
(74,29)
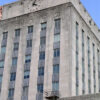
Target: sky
(92,6)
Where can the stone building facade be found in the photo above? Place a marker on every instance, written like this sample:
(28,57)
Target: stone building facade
(48,48)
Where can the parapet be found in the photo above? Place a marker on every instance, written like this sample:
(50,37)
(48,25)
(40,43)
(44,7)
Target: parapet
(22,7)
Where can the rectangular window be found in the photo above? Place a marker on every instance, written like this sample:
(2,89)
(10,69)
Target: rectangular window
(43,26)
(42,56)
(28,58)
(5,34)
(3,49)
(11,92)
(56,38)
(57,52)
(17,32)
(40,88)
(42,40)
(41,71)
(2,64)
(13,77)
(56,69)
(29,43)
(0,79)
(14,61)
(25,91)
(57,26)
(30,29)
(16,46)
(26,74)
(55,86)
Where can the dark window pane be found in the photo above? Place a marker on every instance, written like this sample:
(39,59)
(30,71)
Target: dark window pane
(42,56)
(17,32)
(13,77)
(26,74)
(56,69)
(40,88)
(16,46)
(5,34)
(29,43)
(41,71)
(30,29)
(28,59)
(11,93)
(42,40)
(56,52)
(1,63)
(14,61)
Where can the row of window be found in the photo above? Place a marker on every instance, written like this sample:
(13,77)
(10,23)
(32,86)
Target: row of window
(42,57)
(83,63)
(55,84)
(28,57)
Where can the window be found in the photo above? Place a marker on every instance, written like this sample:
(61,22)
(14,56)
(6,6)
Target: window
(40,88)
(55,86)
(42,40)
(30,29)
(14,61)
(56,52)
(16,46)
(3,49)
(5,35)
(55,69)
(13,77)
(41,71)
(26,74)
(11,92)
(17,32)
(28,58)
(42,56)
(43,26)
(0,79)
(56,38)
(1,63)
(25,91)
(57,26)
(29,43)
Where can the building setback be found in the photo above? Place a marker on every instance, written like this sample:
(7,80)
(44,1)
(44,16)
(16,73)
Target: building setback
(48,48)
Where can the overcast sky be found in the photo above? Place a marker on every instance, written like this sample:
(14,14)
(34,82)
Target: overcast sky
(92,6)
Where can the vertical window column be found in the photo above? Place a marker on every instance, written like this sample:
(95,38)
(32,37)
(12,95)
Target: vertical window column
(27,64)
(2,56)
(89,66)
(98,60)
(77,59)
(83,64)
(40,82)
(14,64)
(94,71)
(56,55)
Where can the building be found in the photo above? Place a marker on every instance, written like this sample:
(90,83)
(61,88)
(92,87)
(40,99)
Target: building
(48,48)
